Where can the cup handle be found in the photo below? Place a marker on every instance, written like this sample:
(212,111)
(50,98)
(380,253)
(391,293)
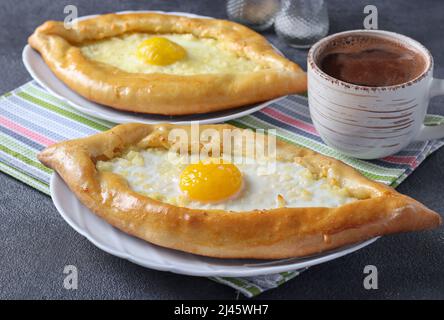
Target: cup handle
(433,132)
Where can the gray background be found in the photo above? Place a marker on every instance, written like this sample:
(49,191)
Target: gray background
(35,243)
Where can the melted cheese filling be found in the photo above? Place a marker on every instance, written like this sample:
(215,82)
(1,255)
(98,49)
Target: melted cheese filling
(203,55)
(151,173)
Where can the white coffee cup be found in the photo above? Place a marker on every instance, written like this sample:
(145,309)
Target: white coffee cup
(371,122)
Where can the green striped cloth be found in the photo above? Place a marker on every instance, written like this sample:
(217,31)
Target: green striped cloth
(31,119)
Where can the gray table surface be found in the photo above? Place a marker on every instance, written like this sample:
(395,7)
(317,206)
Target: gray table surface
(36,244)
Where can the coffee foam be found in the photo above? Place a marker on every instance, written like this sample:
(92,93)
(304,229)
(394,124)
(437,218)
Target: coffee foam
(355,44)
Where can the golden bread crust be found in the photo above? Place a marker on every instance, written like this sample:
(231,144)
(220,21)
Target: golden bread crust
(259,234)
(159,93)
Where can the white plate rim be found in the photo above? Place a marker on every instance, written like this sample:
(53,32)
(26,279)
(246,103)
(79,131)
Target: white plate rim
(119,116)
(248,271)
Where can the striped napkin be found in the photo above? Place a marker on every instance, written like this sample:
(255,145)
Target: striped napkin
(31,119)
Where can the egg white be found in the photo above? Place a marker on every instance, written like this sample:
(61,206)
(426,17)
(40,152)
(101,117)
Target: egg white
(151,173)
(203,55)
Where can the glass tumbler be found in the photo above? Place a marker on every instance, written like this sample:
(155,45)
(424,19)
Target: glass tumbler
(257,14)
(301,23)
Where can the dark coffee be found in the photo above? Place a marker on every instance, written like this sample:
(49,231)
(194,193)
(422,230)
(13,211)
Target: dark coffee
(371,61)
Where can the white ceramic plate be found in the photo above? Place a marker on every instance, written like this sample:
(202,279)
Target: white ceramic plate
(44,76)
(120,244)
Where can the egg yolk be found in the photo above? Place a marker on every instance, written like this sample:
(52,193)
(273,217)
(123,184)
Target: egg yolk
(212,181)
(160,51)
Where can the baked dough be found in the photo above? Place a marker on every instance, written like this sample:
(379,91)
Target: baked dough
(262,234)
(166,93)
